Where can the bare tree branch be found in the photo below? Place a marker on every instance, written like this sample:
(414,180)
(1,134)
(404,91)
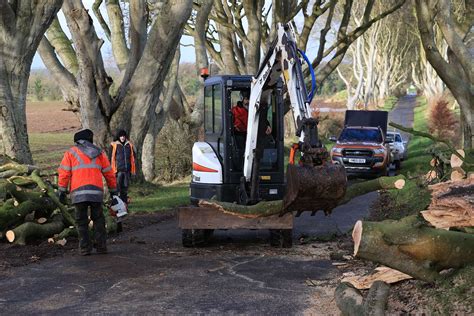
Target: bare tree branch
(138,38)
(100,18)
(62,45)
(60,74)
(117,33)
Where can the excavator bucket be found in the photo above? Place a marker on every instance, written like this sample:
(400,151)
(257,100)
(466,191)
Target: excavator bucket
(314,188)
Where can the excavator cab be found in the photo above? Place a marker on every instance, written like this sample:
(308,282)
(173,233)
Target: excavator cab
(218,158)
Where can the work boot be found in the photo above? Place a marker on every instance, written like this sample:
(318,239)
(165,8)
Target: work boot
(85,251)
(102,250)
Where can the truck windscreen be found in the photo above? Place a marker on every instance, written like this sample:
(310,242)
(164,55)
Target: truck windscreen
(361,135)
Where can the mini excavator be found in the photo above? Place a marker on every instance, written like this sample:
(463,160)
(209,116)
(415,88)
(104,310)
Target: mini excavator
(247,172)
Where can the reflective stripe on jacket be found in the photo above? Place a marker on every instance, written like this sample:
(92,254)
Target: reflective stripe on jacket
(122,157)
(83,175)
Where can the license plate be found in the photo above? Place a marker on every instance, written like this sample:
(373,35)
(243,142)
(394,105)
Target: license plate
(356,160)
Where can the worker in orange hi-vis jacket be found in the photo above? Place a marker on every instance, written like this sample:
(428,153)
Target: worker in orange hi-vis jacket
(80,173)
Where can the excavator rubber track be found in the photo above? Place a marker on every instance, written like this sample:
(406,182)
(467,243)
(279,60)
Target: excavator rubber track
(314,188)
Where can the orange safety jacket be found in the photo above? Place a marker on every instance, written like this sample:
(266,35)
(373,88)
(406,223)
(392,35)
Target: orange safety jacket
(113,158)
(240,115)
(83,174)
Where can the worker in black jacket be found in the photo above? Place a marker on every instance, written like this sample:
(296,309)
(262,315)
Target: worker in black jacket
(122,159)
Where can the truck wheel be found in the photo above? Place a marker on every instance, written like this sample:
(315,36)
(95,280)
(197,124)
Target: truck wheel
(281,238)
(196,237)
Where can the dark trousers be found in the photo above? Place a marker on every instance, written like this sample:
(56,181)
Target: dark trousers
(82,222)
(123,180)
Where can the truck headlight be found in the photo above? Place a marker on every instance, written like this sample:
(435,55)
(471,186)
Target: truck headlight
(379,151)
(337,150)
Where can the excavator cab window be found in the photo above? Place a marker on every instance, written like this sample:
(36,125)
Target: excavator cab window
(238,133)
(213,109)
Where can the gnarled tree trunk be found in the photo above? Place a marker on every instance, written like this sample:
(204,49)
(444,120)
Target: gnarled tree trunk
(22,25)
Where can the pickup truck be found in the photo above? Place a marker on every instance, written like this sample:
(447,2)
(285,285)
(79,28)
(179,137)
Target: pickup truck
(361,147)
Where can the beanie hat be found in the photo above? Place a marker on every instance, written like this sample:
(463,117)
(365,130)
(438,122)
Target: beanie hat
(121,133)
(85,134)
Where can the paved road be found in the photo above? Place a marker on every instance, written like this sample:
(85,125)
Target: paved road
(403,113)
(148,271)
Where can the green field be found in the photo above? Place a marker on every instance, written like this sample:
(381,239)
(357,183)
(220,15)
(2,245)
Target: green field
(48,149)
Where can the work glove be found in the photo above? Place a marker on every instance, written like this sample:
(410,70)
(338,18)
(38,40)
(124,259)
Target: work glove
(62,196)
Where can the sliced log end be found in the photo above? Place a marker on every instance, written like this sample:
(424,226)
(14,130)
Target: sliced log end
(41,220)
(61,242)
(399,184)
(356,236)
(455,160)
(10,235)
(457,174)
(431,175)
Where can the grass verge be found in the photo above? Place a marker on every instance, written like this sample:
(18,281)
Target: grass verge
(389,103)
(418,161)
(148,197)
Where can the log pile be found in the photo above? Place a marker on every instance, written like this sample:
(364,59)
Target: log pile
(452,204)
(422,246)
(30,209)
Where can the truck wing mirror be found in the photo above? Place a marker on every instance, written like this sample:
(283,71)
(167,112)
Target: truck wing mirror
(332,139)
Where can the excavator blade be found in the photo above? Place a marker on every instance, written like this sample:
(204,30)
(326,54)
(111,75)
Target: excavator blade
(314,188)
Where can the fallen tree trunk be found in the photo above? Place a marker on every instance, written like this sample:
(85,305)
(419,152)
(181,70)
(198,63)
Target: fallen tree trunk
(29,230)
(408,245)
(350,301)
(50,192)
(11,214)
(18,168)
(268,208)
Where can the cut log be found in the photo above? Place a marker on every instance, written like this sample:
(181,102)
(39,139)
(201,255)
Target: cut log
(11,215)
(408,245)
(376,301)
(49,191)
(385,274)
(349,300)
(41,220)
(20,169)
(431,175)
(268,208)
(21,181)
(452,204)
(458,174)
(397,182)
(66,233)
(25,231)
(456,161)
(262,209)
